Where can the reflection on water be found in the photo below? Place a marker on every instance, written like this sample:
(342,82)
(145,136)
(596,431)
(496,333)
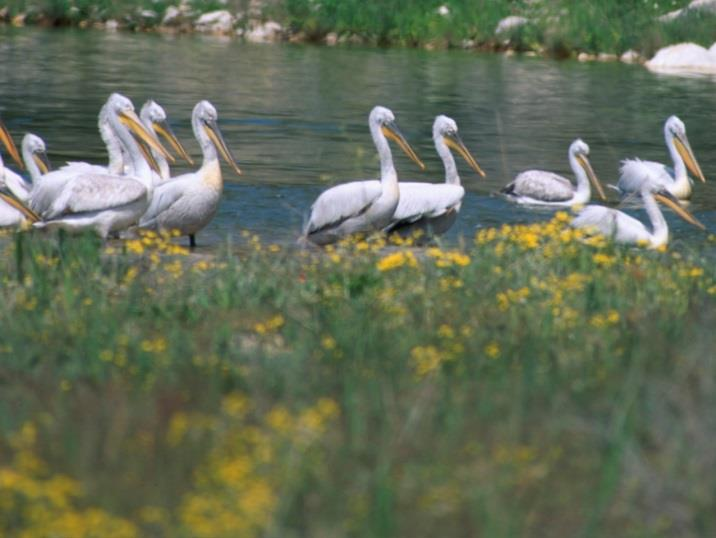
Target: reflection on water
(296,116)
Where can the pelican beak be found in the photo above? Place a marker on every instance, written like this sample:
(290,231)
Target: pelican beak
(454,141)
(670,201)
(10,145)
(42,162)
(163,129)
(132,121)
(684,149)
(147,154)
(584,163)
(391,131)
(29,214)
(212,130)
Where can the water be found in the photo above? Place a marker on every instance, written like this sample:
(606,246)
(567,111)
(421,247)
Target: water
(296,116)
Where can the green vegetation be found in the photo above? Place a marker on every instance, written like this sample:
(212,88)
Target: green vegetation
(557,27)
(533,382)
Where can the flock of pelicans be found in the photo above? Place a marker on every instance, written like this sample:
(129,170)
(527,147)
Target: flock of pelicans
(136,189)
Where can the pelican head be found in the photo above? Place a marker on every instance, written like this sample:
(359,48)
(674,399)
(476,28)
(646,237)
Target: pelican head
(154,115)
(446,129)
(34,146)
(124,109)
(579,150)
(385,119)
(206,116)
(10,145)
(669,200)
(675,130)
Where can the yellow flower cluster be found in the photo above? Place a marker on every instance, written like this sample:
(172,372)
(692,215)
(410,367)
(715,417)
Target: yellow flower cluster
(395,260)
(448,258)
(270,326)
(510,297)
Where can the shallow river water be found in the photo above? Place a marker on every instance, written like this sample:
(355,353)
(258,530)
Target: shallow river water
(296,116)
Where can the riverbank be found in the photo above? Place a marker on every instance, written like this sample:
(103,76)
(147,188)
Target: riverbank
(528,382)
(596,29)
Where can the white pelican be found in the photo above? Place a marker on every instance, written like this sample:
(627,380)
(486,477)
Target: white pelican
(433,207)
(35,158)
(188,202)
(634,172)
(623,228)
(539,187)
(13,213)
(154,118)
(361,206)
(102,202)
(684,58)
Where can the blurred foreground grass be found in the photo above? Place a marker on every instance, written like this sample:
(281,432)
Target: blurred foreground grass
(529,383)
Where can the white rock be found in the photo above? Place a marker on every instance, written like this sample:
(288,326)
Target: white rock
(695,5)
(607,57)
(586,57)
(331,39)
(111,25)
(173,16)
(269,32)
(631,57)
(510,23)
(215,22)
(148,14)
(684,58)
(443,11)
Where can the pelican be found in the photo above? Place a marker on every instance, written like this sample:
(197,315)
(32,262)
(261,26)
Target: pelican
(188,202)
(13,213)
(35,158)
(623,228)
(634,172)
(539,187)
(361,206)
(104,202)
(432,207)
(154,119)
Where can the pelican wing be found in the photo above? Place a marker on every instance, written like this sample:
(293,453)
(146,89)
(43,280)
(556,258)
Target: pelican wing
(164,197)
(611,223)
(86,193)
(418,200)
(634,172)
(79,167)
(342,202)
(16,184)
(540,185)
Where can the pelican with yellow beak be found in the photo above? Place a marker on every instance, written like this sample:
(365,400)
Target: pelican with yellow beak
(13,213)
(154,119)
(538,187)
(188,202)
(362,206)
(623,228)
(634,172)
(35,158)
(432,208)
(104,203)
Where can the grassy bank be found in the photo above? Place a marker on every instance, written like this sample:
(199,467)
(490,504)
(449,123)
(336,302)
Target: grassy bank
(556,27)
(528,383)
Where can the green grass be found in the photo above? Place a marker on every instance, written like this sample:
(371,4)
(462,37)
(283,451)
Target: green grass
(559,27)
(526,384)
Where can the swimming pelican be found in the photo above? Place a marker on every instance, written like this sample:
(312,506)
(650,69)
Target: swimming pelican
(102,202)
(188,202)
(623,228)
(634,172)
(35,158)
(547,188)
(154,118)
(361,206)
(433,207)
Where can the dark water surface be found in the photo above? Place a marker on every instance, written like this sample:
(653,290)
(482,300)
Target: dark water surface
(296,116)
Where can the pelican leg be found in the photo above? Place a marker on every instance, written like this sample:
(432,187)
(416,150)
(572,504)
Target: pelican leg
(192,241)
